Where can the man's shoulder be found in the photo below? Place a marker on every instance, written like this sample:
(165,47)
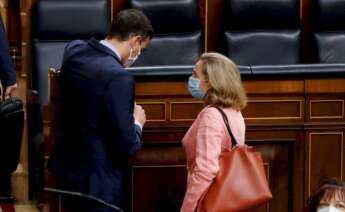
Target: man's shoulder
(80,52)
(116,70)
(75,44)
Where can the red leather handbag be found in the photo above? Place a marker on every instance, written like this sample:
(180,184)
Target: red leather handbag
(241,182)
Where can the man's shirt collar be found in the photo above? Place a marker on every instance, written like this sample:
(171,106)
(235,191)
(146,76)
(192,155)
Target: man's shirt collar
(111,47)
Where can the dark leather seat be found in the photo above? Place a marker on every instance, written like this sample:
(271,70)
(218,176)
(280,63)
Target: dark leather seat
(328,19)
(328,37)
(55,23)
(178,40)
(262,32)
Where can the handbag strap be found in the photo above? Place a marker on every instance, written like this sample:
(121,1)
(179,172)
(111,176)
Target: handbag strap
(225,118)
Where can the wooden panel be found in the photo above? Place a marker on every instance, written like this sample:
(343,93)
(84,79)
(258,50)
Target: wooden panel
(10,12)
(202,12)
(159,155)
(158,188)
(164,136)
(324,85)
(158,178)
(25,13)
(285,148)
(118,5)
(214,10)
(305,13)
(167,165)
(274,86)
(274,109)
(185,111)
(170,112)
(20,178)
(323,148)
(162,88)
(155,111)
(13,23)
(326,109)
(21,89)
(277,157)
(14,33)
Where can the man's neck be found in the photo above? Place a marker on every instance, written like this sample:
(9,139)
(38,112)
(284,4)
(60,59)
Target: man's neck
(121,46)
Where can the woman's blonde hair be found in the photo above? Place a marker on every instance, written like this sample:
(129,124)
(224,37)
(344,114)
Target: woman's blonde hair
(225,82)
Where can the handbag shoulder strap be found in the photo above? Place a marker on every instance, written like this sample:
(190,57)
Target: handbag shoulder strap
(225,118)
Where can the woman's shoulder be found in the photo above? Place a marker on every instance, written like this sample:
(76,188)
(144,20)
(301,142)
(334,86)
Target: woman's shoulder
(213,110)
(212,113)
(208,115)
(233,112)
(209,111)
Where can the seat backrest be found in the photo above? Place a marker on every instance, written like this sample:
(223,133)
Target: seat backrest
(178,36)
(57,22)
(328,31)
(262,32)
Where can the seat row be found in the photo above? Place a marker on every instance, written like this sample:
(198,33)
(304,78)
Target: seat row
(254,32)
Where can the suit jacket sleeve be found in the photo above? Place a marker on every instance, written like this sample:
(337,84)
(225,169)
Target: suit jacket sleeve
(7,74)
(119,97)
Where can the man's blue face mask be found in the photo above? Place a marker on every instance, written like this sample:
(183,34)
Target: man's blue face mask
(194,88)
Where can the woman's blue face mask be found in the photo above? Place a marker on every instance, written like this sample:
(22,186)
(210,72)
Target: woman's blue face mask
(194,88)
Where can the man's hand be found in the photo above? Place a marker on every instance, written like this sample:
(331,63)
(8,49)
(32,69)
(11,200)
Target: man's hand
(9,89)
(139,114)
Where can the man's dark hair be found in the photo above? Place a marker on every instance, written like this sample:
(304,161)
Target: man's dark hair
(130,22)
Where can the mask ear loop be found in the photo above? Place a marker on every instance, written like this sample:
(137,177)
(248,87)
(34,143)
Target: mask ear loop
(130,53)
(139,47)
(139,53)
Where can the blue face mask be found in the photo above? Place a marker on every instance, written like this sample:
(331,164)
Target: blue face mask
(194,88)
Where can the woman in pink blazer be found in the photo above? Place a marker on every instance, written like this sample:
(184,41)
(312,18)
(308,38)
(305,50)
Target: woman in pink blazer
(217,81)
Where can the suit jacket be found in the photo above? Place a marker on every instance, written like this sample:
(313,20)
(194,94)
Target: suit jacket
(203,143)
(7,74)
(97,129)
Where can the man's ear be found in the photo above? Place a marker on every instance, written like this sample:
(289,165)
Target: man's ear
(138,38)
(133,39)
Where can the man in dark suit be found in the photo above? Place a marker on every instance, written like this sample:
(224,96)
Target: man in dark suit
(8,82)
(100,123)
(7,74)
